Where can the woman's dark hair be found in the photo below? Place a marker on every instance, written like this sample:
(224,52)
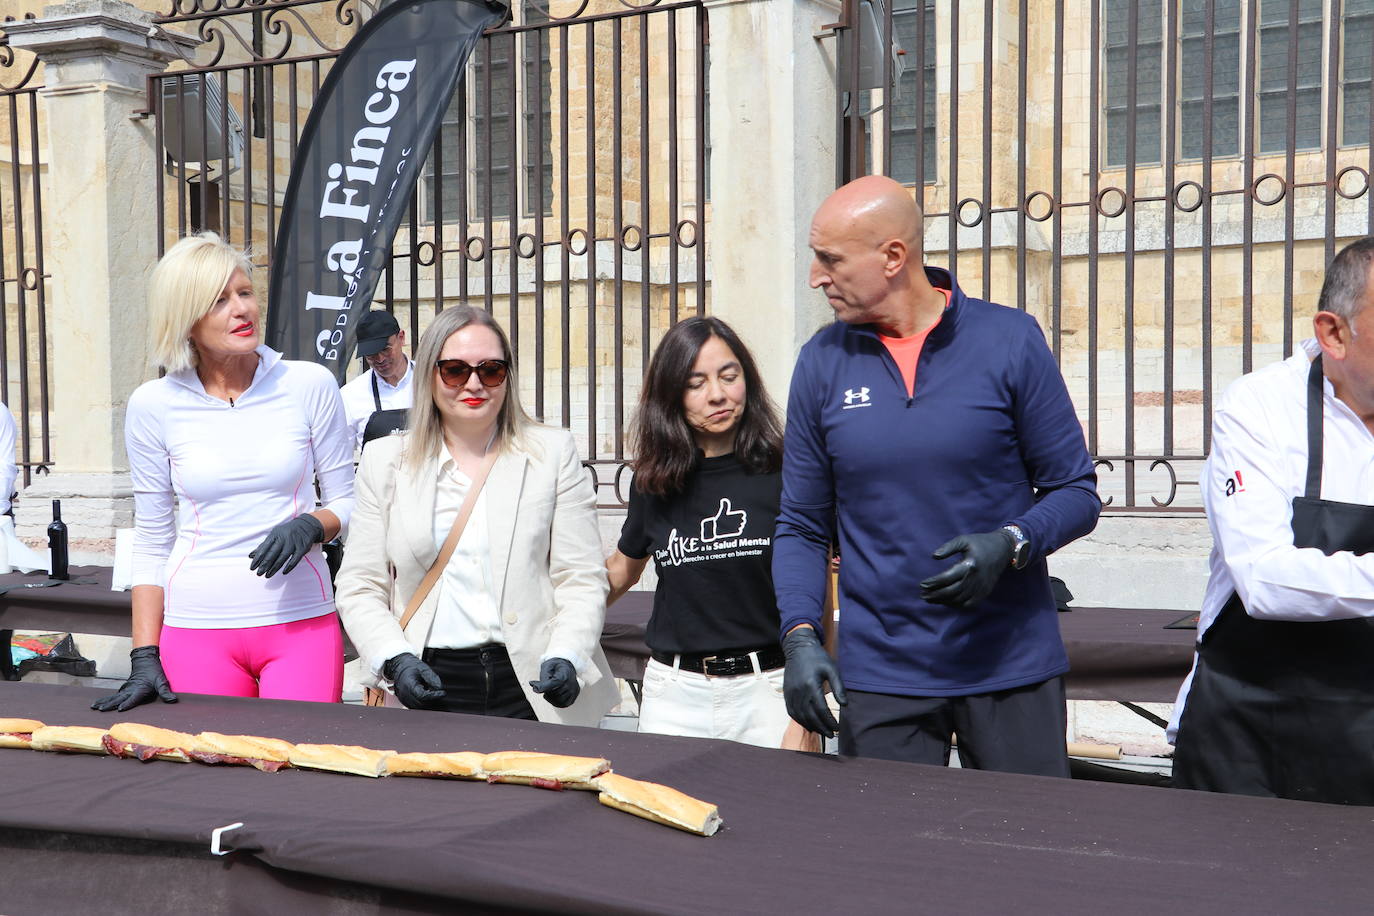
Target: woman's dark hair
(660,439)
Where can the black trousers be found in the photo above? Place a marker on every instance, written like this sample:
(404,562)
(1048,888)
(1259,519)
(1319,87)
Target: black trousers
(1020,730)
(479,682)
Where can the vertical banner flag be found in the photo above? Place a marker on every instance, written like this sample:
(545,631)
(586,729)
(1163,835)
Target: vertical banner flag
(360,152)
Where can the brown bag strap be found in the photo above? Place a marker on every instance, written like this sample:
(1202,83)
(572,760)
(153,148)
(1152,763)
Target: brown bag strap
(450,542)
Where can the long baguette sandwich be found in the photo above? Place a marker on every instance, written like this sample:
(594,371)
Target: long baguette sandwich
(17,732)
(266,754)
(546,771)
(340,758)
(148,742)
(660,804)
(75,739)
(457,765)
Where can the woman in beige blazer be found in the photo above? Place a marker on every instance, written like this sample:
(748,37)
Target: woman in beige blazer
(512,626)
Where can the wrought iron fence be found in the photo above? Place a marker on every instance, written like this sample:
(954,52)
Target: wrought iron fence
(1161,182)
(566,192)
(24,276)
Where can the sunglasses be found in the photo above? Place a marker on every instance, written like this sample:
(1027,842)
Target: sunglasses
(455,373)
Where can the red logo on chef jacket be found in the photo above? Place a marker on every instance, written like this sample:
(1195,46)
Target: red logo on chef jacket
(1235,484)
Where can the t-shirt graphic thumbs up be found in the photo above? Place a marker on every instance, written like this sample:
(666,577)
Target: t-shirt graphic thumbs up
(727,523)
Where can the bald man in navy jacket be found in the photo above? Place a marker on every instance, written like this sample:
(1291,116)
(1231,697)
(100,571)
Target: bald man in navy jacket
(930,435)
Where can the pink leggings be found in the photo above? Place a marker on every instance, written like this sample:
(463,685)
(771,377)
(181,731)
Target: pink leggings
(302,660)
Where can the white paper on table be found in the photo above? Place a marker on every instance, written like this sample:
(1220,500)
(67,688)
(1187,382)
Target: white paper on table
(21,556)
(123,577)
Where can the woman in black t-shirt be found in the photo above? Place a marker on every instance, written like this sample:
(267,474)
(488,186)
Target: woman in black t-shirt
(703,502)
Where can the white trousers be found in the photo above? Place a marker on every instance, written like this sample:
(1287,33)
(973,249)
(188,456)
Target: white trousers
(747,708)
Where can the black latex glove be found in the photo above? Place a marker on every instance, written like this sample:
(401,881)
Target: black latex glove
(415,683)
(557,682)
(986,557)
(286,545)
(146,680)
(809,666)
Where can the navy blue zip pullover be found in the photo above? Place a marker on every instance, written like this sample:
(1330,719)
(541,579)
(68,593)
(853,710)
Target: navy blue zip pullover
(989,438)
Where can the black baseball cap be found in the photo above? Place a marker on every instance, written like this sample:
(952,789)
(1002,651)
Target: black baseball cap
(374,329)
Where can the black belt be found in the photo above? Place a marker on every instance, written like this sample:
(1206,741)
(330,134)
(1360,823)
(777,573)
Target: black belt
(722,665)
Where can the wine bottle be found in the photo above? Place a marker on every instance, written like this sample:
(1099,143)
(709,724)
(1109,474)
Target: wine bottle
(57,542)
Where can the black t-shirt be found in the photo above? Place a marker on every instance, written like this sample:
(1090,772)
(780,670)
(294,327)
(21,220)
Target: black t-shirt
(712,546)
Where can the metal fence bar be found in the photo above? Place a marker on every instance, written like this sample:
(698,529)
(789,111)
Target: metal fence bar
(41,303)
(1247,248)
(1290,170)
(618,223)
(953,196)
(21,271)
(1170,220)
(646,224)
(535,88)
(674,284)
(1094,211)
(1023,39)
(985,206)
(590,236)
(1057,192)
(1333,75)
(1208,195)
(564,231)
(1128,290)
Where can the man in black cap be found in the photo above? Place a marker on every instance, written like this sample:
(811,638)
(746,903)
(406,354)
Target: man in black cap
(376,401)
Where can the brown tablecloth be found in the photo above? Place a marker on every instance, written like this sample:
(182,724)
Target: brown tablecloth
(1115,653)
(84,604)
(803,833)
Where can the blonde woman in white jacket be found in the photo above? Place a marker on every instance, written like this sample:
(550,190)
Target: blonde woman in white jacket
(512,626)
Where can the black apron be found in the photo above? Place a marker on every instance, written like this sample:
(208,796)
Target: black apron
(382,422)
(1286,708)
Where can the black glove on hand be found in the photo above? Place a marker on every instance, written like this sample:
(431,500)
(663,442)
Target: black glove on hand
(986,557)
(557,682)
(285,545)
(416,684)
(809,666)
(146,680)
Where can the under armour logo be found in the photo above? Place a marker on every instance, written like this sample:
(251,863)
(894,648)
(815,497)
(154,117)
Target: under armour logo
(856,398)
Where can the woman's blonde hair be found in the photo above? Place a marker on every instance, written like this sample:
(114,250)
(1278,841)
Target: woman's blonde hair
(183,289)
(426,436)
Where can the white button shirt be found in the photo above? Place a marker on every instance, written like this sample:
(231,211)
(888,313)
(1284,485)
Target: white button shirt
(1257,466)
(359,404)
(466,615)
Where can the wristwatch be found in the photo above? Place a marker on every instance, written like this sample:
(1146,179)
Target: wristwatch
(1020,546)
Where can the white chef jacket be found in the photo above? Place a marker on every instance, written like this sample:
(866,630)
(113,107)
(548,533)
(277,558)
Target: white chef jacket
(1257,466)
(359,404)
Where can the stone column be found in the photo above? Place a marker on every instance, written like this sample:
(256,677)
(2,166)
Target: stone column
(101,246)
(772,82)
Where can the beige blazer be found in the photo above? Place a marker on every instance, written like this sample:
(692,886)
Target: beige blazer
(546,561)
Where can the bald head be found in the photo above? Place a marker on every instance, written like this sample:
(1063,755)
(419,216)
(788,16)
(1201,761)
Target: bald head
(875,209)
(867,240)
